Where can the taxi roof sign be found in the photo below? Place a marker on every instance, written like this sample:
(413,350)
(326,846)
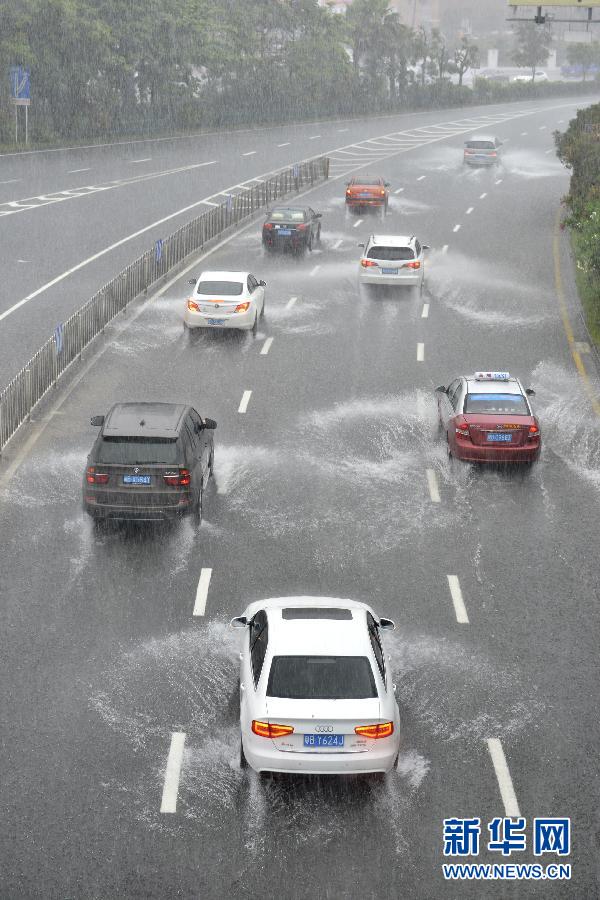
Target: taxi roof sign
(492,376)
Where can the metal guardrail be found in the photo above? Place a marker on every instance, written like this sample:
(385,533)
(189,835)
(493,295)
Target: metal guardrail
(43,370)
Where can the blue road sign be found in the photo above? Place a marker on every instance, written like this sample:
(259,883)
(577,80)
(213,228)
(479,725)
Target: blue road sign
(158,250)
(59,337)
(20,86)
(296,171)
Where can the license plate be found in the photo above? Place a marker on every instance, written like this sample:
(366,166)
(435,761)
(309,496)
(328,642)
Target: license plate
(216,321)
(365,194)
(137,479)
(285,232)
(389,271)
(500,438)
(323,740)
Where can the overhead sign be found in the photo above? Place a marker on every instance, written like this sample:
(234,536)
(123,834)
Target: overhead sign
(574,4)
(20,86)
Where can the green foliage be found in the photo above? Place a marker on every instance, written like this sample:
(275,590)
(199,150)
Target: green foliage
(584,55)
(533,46)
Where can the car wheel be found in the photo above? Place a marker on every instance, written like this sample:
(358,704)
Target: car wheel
(197,514)
(243,760)
(262,312)
(309,244)
(319,235)
(448,446)
(211,462)
(255,325)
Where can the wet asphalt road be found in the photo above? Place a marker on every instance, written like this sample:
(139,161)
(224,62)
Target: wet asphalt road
(321,488)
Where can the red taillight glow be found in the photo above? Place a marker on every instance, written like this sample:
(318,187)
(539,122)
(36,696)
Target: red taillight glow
(367,263)
(302,226)
(270,730)
(181,479)
(242,307)
(192,305)
(348,193)
(383,730)
(462,428)
(268,225)
(534,431)
(413,265)
(93,477)
(382,193)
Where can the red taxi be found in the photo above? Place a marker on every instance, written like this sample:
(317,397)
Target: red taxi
(487,417)
(364,191)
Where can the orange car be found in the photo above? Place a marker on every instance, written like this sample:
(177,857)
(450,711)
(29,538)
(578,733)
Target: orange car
(367,190)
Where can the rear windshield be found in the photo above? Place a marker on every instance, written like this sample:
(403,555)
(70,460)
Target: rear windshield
(496,404)
(223,288)
(480,145)
(137,451)
(366,181)
(390,253)
(287,215)
(321,678)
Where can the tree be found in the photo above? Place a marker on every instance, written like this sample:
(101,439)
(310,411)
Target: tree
(532,48)
(465,56)
(584,56)
(439,52)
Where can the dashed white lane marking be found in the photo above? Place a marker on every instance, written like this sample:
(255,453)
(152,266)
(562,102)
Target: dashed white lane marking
(172,772)
(456,228)
(551,150)
(266,346)
(11,181)
(560,121)
(421,177)
(432,482)
(507,791)
(145,159)
(425,313)
(398,190)
(290,302)
(543,127)
(470,210)
(420,352)
(523,133)
(285,144)
(499,181)
(74,171)
(340,130)
(338,244)
(445,248)
(314,137)
(357,223)
(249,153)
(315,270)
(457,598)
(202,592)
(244,401)
(483,196)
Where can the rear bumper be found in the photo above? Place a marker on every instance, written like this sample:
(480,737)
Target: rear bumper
(266,758)
(398,280)
(363,202)
(481,161)
(283,243)
(474,453)
(137,513)
(243,321)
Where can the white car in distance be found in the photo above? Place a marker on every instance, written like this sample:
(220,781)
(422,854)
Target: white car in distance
(316,693)
(393,259)
(225,300)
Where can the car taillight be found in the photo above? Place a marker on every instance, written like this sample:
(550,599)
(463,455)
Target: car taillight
(413,265)
(242,307)
(178,479)
(268,225)
(348,193)
(493,153)
(269,730)
(382,193)
(534,431)
(93,477)
(383,730)
(302,226)
(462,428)
(191,304)
(367,263)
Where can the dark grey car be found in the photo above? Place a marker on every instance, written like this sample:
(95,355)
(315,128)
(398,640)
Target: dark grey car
(151,461)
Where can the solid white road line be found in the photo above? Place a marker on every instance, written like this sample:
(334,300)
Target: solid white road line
(425,313)
(432,482)
(421,177)
(420,352)
(249,153)
(244,401)
(357,223)
(338,244)
(266,346)
(285,144)
(73,171)
(551,150)
(483,196)
(290,302)
(507,791)
(398,190)
(543,127)
(523,133)
(172,772)
(315,270)
(145,159)
(202,592)
(340,130)
(470,210)
(499,181)
(457,598)
(11,181)
(456,228)
(445,248)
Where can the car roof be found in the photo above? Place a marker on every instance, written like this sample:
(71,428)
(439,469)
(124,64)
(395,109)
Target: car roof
(392,240)
(359,179)
(501,386)
(319,637)
(482,137)
(144,419)
(211,275)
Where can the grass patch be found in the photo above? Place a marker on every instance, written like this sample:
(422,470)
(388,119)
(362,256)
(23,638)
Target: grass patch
(589,294)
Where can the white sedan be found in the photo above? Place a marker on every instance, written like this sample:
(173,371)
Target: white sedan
(316,692)
(225,300)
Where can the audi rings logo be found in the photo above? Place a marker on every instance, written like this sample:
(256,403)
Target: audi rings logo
(323,728)
(135,470)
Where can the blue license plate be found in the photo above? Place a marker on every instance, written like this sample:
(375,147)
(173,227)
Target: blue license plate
(389,271)
(500,438)
(323,740)
(137,479)
(216,321)
(364,194)
(285,232)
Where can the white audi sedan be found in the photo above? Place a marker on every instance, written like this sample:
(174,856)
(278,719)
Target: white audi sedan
(225,300)
(316,693)
(390,259)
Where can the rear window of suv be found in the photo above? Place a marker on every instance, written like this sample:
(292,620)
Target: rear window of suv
(496,404)
(481,145)
(222,288)
(390,253)
(321,678)
(137,451)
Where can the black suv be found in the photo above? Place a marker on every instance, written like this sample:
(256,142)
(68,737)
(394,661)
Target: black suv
(150,461)
(298,228)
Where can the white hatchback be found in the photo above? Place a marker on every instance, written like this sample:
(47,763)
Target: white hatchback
(393,259)
(225,300)
(316,693)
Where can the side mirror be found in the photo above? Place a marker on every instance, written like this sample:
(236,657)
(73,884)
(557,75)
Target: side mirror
(239,622)
(386,624)
(318,215)
(210,424)
(262,283)
(441,389)
(530,392)
(361,245)
(97,421)
(425,247)
(386,184)
(192,281)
